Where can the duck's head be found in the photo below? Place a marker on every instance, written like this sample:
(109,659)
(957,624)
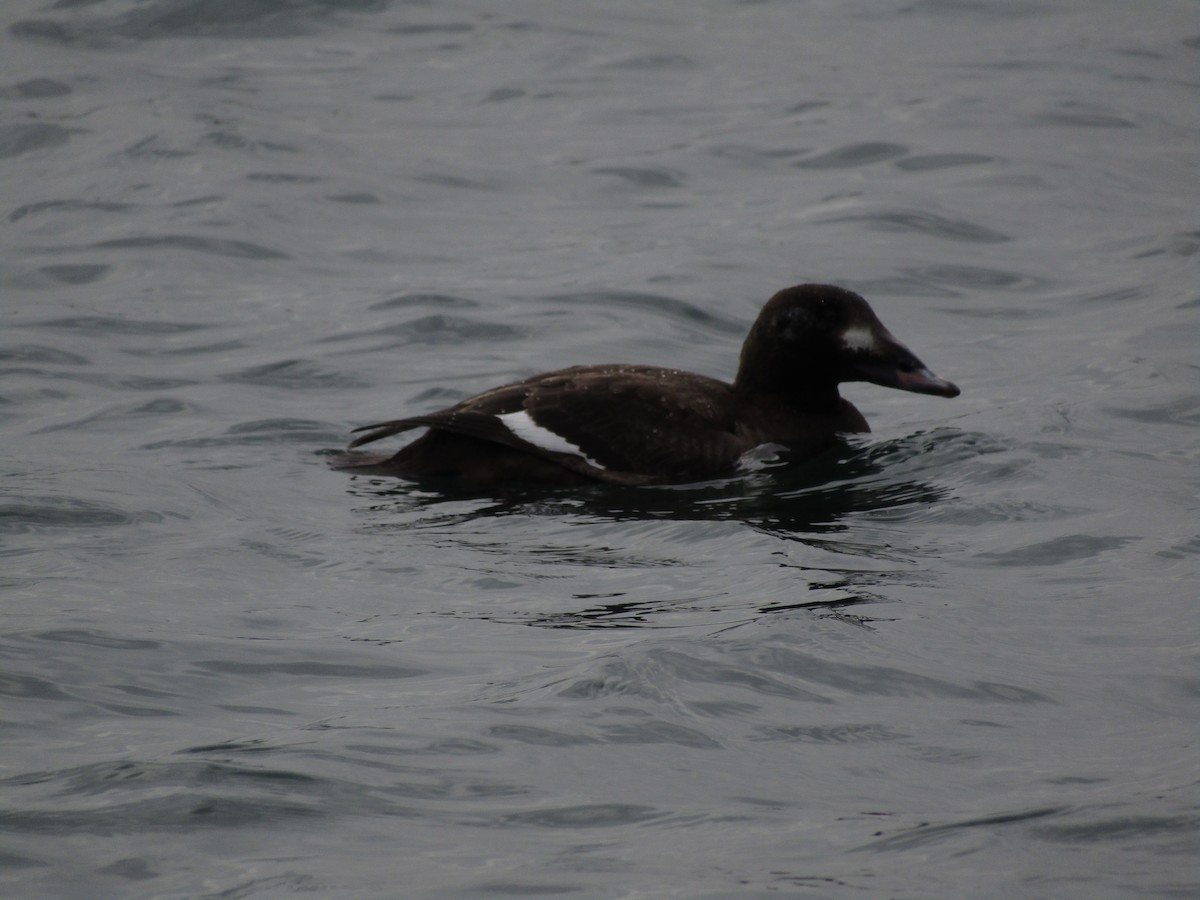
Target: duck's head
(812,337)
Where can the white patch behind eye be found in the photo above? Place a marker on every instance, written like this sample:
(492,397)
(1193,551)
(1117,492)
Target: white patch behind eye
(857,339)
(521,425)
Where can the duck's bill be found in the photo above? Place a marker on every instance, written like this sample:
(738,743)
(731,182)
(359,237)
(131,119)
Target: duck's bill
(922,381)
(904,371)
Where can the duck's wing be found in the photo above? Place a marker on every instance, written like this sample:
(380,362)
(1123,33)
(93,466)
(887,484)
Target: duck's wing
(622,424)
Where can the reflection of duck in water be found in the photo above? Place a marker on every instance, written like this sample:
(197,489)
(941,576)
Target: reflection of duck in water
(631,424)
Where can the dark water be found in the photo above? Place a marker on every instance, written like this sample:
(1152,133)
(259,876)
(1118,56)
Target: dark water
(957,658)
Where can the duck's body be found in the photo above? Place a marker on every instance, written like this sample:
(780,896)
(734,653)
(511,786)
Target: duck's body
(631,424)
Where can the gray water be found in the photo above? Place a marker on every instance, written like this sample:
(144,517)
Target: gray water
(956,658)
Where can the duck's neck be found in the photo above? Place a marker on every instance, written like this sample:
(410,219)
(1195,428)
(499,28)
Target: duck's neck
(800,390)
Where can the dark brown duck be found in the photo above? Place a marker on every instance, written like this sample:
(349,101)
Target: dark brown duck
(631,424)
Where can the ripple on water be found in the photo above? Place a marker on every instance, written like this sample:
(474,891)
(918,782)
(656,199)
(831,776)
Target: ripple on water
(922,222)
(35,89)
(33,514)
(458,182)
(927,833)
(644,178)
(635,539)
(258,432)
(94,639)
(853,155)
(307,667)
(977,278)
(37,353)
(283,178)
(652,61)
(158,21)
(1081,115)
(850,733)
(754,156)
(293,374)
(67,206)
(30,687)
(194,243)
(118,417)
(659,305)
(96,325)
(593,815)
(435,28)
(838,678)
(540,737)
(1058,551)
(430,330)
(190,796)
(33,137)
(1183,411)
(75,274)
(169,349)
(933,161)
(445,301)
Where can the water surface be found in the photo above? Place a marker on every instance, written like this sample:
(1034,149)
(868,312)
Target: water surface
(955,658)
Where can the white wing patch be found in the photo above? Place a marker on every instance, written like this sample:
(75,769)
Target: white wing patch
(531,432)
(858,339)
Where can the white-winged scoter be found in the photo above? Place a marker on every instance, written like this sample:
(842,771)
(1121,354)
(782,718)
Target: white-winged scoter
(631,424)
